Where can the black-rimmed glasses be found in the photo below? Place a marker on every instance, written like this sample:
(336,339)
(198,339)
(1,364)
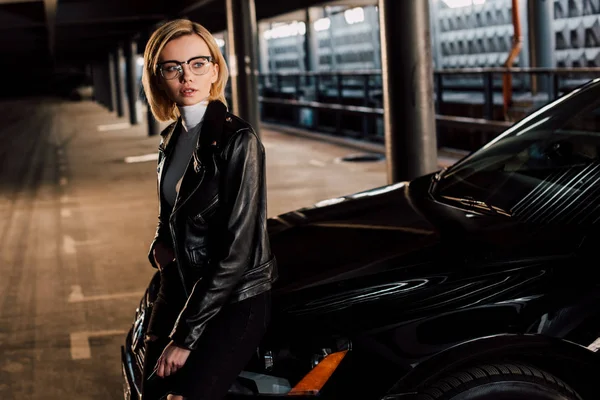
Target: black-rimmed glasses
(172,69)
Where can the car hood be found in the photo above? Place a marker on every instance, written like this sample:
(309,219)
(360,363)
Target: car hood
(396,254)
(349,237)
(402,231)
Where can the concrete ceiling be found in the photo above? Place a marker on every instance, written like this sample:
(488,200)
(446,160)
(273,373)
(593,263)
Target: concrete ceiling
(78,31)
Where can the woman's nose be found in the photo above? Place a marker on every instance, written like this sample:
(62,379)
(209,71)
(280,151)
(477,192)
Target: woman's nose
(186,73)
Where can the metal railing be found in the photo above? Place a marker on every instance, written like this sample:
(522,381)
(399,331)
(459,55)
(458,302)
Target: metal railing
(549,81)
(350,103)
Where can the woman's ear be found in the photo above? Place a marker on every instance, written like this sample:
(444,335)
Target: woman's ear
(215,73)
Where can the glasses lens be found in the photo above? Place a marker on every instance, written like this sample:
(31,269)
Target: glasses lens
(170,70)
(199,66)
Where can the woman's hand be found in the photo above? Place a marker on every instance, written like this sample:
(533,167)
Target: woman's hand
(163,255)
(171,359)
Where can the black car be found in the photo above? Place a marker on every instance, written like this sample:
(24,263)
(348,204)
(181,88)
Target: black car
(476,282)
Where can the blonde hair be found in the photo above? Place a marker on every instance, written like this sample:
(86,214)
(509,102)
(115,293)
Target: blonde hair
(163,108)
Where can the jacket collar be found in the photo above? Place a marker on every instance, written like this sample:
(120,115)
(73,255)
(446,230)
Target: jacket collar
(210,132)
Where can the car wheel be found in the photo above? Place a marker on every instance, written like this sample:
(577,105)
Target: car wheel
(503,381)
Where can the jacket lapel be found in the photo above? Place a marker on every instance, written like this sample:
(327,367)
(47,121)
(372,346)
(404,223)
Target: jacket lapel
(167,137)
(212,124)
(166,148)
(202,165)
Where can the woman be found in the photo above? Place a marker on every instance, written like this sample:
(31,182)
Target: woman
(211,244)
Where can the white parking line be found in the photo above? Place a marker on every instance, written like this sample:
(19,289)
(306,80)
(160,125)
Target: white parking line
(114,127)
(68,245)
(77,296)
(80,342)
(317,163)
(143,158)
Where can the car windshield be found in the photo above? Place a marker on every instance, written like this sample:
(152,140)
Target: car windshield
(544,168)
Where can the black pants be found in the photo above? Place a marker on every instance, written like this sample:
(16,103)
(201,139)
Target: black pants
(224,349)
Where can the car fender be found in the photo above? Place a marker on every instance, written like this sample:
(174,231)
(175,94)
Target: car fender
(554,353)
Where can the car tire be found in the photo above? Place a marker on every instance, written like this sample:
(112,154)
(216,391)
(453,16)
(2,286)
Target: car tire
(502,381)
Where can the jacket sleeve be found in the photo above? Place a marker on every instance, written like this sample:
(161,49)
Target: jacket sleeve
(163,232)
(242,175)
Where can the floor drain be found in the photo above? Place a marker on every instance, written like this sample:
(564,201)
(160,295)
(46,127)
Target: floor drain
(369,157)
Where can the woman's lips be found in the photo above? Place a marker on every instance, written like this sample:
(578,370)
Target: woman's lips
(188,92)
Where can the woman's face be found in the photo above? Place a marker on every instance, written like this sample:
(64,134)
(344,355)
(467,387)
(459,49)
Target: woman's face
(188,88)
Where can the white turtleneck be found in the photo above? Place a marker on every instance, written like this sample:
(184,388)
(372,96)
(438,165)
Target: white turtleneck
(192,115)
(191,118)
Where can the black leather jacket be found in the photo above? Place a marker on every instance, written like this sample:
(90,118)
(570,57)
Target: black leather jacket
(217,226)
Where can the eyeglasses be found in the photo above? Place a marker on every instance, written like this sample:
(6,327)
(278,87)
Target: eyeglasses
(172,69)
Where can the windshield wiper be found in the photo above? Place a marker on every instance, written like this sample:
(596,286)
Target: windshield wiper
(478,205)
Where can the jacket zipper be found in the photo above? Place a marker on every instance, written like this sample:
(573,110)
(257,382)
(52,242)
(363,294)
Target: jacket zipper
(208,208)
(178,206)
(171,219)
(172,224)
(177,258)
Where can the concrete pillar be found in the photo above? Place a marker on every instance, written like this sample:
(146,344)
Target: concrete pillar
(111,82)
(131,80)
(119,82)
(151,122)
(107,84)
(153,126)
(96,85)
(310,50)
(409,118)
(242,55)
(101,87)
(542,41)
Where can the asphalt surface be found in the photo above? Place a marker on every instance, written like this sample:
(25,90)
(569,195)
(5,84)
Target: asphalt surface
(76,221)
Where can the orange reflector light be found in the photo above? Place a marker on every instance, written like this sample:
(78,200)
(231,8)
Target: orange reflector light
(318,376)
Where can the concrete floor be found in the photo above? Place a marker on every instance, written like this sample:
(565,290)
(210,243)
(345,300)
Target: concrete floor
(75,224)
